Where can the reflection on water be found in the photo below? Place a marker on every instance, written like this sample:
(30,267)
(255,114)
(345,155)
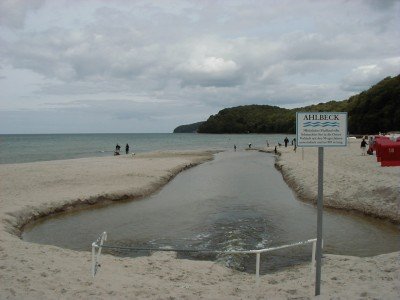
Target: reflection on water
(237,201)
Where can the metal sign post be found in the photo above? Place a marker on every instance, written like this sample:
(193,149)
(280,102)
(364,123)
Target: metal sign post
(320,206)
(320,129)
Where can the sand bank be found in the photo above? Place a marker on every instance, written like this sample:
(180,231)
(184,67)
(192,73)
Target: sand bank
(351,181)
(32,271)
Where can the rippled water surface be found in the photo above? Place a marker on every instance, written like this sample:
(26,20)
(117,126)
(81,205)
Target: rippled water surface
(237,201)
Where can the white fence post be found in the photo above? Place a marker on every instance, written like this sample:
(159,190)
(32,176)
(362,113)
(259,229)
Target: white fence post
(314,247)
(258,268)
(96,257)
(93,259)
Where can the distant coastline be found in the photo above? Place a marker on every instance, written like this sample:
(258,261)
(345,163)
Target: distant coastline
(371,111)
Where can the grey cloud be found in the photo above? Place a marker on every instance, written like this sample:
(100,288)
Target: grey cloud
(305,46)
(115,115)
(207,55)
(383,4)
(211,71)
(122,109)
(211,81)
(13,13)
(362,77)
(105,52)
(313,46)
(71,55)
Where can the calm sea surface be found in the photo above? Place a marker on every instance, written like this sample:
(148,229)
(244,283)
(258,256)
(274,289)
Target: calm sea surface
(42,147)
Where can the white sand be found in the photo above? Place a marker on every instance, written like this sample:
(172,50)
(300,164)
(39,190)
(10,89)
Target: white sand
(32,271)
(351,181)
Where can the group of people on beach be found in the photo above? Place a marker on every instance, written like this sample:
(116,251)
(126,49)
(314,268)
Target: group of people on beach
(286,142)
(293,142)
(118,148)
(364,145)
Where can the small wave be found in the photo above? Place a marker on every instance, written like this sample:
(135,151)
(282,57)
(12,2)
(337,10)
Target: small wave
(262,244)
(202,236)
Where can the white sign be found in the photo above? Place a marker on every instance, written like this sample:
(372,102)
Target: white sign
(321,129)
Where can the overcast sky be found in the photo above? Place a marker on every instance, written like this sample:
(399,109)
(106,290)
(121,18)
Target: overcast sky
(149,66)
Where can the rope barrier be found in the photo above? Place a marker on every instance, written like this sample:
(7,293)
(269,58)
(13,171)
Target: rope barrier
(99,245)
(208,250)
(161,249)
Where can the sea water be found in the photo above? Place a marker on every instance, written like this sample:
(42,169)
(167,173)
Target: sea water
(21,148)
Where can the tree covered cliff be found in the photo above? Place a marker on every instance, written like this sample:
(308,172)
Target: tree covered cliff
(189,128)
(372,111)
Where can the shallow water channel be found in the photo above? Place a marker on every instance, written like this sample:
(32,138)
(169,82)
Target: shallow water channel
(237,201)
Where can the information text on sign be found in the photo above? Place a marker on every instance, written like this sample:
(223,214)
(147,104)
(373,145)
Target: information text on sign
(321,129)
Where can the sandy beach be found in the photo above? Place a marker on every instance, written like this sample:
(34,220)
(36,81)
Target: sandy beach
(32,271)
(351,181)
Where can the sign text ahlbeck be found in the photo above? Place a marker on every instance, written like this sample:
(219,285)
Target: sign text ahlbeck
(321,129)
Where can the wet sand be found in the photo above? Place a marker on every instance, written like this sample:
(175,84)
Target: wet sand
(32,271)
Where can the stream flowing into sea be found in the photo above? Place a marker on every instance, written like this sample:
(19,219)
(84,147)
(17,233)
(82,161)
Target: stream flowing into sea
(236,201)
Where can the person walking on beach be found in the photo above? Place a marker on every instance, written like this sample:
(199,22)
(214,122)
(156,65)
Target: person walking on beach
(286,140)
(363,147)
(234,147)
(127,149)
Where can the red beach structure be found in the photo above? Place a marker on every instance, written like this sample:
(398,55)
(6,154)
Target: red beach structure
(387,151)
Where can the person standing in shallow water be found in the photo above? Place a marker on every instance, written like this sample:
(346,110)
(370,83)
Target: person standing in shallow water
(127,149)
(286,140)
(234,147)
